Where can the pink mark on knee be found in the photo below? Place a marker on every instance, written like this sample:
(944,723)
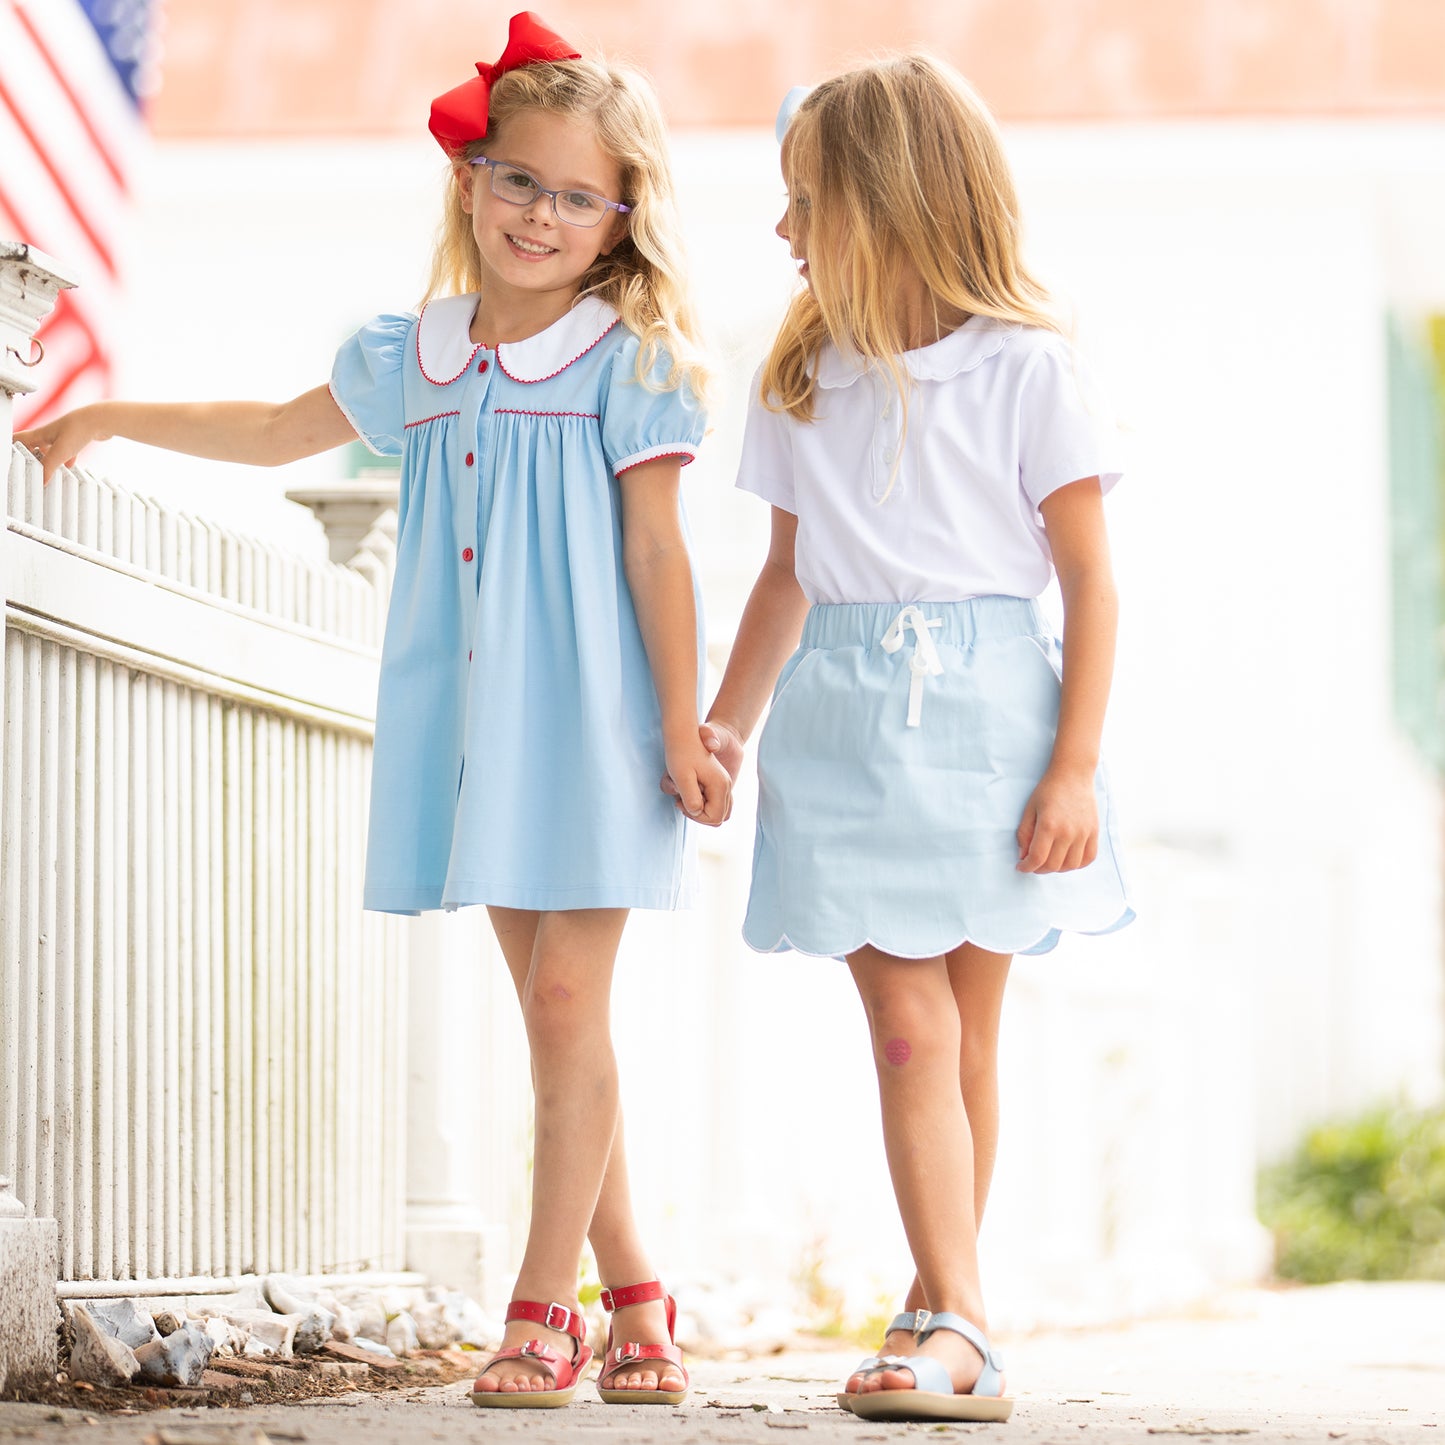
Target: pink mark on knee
(898,1051)
(560,991)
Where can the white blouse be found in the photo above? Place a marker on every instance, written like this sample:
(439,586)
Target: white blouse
(947,507)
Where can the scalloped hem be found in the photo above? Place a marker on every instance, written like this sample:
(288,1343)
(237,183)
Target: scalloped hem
(1045,944)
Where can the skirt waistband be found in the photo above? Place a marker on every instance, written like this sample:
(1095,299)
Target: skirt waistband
(853,624)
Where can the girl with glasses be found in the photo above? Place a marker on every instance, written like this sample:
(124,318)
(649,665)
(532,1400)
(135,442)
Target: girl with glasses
(930,794)
(540,667)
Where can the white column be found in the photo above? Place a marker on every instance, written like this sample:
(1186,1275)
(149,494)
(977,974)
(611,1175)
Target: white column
(451,1111)
(29,284)
(349,508)
(29,1268)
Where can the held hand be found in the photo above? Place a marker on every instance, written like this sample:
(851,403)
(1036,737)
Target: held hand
(1060,828)
(59,442)
(722,741)
(700,785)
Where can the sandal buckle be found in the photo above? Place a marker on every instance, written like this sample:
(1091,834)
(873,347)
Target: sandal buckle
(554,1324)
(606,1300)
(920,1322)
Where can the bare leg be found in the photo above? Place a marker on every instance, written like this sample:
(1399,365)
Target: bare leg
(613,1232)
(917,1038)
(565,1006)
(977,980)
(621,1260)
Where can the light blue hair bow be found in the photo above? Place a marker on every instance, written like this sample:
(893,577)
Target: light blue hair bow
(789,108)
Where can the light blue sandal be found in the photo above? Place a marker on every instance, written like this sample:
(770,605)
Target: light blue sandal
(934,1398)
(907,1320)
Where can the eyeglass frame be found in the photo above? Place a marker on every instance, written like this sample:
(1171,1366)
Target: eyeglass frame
(492,163)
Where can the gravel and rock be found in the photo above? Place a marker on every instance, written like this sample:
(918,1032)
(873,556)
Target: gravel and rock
(1363,1364)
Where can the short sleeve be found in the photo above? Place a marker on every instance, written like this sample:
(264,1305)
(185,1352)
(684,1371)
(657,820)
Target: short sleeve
(1066,429)
(640,424)
(366,382)
(766,466)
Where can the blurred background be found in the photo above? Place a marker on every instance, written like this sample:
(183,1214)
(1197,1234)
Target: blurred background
(1241,204)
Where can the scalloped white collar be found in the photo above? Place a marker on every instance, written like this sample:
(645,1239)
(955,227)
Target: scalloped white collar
(444,349)
(974,342)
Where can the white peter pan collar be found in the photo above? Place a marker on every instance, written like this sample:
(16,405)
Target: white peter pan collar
(444,348)
(979,338)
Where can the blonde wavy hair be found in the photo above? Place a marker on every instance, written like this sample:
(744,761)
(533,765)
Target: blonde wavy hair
(644,277)
(896,173)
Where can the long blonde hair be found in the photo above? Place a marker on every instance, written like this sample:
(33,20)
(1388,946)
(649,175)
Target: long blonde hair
(644,277)
(896,171)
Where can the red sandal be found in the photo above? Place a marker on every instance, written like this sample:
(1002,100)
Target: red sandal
(631,1353)
(565,1373)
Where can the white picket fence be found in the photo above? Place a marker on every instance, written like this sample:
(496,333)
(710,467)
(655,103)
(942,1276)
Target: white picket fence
(202,1036)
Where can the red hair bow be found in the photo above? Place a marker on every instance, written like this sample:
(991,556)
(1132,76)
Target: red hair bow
(460,116)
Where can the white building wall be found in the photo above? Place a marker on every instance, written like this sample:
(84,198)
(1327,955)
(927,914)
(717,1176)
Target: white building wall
(1233,283)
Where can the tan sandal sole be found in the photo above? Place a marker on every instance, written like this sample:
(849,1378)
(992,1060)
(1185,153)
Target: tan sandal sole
(926,1405)
(522,1399)
(642,1397)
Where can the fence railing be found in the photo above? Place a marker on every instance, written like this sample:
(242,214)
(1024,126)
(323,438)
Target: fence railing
(202,1036)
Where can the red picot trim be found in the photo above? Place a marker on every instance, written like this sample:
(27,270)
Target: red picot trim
(687,459)
(426,419)
(553,1316)
(522,411)
(532,380)
(434,381)
(632,1294)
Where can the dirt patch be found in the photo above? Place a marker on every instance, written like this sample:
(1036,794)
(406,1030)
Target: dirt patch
(234,1383)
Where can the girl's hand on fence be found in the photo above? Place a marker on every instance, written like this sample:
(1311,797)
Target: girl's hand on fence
(59,442)
(1060,828)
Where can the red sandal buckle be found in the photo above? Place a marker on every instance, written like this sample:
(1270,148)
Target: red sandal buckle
(562,1323)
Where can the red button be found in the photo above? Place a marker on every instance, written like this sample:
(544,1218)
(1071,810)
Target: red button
(483,364)
(470,459)
(467,554)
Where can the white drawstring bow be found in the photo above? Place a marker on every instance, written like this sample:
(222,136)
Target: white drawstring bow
(925,661)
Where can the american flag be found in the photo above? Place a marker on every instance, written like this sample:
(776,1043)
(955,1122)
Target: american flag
(73,76)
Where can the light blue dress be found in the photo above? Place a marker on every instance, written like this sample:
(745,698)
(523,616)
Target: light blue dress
(518,735)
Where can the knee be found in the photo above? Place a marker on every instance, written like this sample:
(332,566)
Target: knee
(908,1028)
(557,1012)
(978,1048)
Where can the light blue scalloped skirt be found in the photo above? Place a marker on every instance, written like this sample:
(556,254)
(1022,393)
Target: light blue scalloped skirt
(893,772)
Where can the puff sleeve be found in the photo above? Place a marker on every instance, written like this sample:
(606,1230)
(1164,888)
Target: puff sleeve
(766,466)
(1066,429)
(640,424)
(366,382)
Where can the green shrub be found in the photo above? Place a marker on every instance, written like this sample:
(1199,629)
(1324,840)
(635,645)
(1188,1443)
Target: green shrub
(1363,1199)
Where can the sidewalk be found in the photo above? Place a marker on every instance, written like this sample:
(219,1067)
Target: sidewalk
(1361,1363)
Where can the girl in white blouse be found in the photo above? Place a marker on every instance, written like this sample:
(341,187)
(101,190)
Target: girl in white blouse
(931,799)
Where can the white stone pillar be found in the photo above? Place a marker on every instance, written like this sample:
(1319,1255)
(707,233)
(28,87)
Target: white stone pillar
(29,1248)
(29,283)
(450,1116)
(348,509)
(29,1315)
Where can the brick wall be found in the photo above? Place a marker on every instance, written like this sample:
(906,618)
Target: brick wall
(271,67)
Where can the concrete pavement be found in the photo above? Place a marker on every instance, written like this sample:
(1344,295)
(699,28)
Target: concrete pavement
(1360,1363)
